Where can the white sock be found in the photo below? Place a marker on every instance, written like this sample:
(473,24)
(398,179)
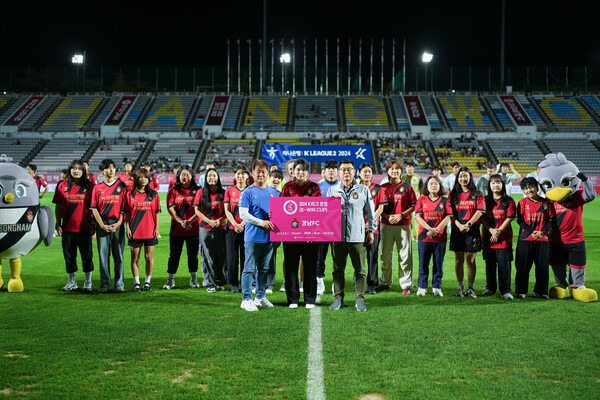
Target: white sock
(72,276)
(171,276)
(88,276)
(136,280)
(148,277)
(193,274)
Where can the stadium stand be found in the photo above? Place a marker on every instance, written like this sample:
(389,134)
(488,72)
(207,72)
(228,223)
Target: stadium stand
(402,120)
(226,154)
(465,114)
(104,112)
(431,113)
(499,111)
(579,151)
(136,112)
(18,148)
(531,112)
(524,154)
(316,113)
(174,151)
(31,122)
(233,110)
(168,113)
(267,112)
(58,153)
(72,114)
(118,151)
(203,110)
(365,113)
(566,113)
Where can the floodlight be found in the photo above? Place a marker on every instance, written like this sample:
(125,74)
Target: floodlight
(77,59)
(285,58)
(427,57)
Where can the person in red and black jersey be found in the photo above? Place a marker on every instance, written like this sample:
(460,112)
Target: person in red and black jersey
(141,208)
(433,214)
(395,228)
(468,205)
(173,180)
(365,172)
(73,198)
(184,225)
(108,197)
(39,181)
(154,185)
(535,216)
(89,174)
(234,237)
(308,251)
(127,176)
(497,237)
(209,208)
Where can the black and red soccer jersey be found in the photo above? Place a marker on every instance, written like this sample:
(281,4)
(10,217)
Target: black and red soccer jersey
(142,210)
(467,206)
(310,189)
(433,212)
(182,201)
(496,213)
(128,179)
(108,199)
(399,198)
(569,215)
(154,182)
(232,197)
(535,216)
(378,196)
(92,178)
(39,181)
(76,216)
(172,182)
(217,209)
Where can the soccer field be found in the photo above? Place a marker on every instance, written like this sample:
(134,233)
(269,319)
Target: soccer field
(187,343)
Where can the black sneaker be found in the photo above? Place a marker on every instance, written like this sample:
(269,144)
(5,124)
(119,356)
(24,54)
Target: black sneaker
(147,287)
(136,287)
(372,290)
(541,296)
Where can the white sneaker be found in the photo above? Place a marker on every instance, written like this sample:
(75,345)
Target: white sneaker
(170,284)
(438,292)
(71,285)
(282,288)
(193,282)
(507,296)
(248,305)
(253,290)
(293,306)
(87,286)
(320,287)
(301,286)
(264,302)
(310,306)
(421,292)
(268,291)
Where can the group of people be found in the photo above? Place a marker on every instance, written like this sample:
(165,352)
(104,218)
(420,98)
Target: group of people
(229,229)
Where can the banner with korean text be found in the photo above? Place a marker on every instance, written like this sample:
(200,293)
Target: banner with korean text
(306,219)
(282,153)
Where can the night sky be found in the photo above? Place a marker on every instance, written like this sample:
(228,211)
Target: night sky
(194,34)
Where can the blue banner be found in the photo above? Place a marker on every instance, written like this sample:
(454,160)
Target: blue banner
(282,153)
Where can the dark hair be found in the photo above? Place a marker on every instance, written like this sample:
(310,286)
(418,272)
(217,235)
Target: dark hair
(504,197)
(391,163)
(33,167)
(142,171)
(276,174)
(457,188)
(305,164)
(504,164)
(412,164)
(333,164)
(436,167)
(425,191)
(529,181)
(346,161)
(189,169)
(260,163)
(205,201)
(455,163)
(84,182)
(107,162)
(364,165)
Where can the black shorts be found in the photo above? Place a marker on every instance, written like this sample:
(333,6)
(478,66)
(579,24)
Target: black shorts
(143,242)
(469,242)
(572,254)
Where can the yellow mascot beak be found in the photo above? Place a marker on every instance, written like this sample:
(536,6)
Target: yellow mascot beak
(559,194)
(9,198)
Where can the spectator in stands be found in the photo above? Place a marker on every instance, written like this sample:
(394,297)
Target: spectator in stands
(73,198)
(209,207)
(141,210)
(107,202)
(255,211)
(507,178)
(468,205)
(366,176)
(329,173)
(432,213)
(395,229)
(301,186)
(484,180)
(357,205)
(450,180)
(39,181)
(497,237)
(234,236)
(184,226)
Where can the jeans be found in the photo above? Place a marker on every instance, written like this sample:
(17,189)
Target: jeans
(427,250)
(258,256)
(111,243)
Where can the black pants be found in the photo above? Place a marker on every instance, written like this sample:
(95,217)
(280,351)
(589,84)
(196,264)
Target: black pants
(192,244)
(292,251)
(529,252)
(235,253)
(501,258)
(71,241)
(372,261)
(321,257)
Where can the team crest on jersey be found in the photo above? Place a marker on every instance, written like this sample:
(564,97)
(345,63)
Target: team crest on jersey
(545,206)
(119,189)
(309,191)
(295,223)
(29,216)
(401,190)
(355,196)
(373,193)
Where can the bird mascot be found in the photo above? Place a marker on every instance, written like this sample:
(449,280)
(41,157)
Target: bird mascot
(569,189)
(23,223)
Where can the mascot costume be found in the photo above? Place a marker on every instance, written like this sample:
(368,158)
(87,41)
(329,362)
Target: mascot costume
(569,189)
(23,223)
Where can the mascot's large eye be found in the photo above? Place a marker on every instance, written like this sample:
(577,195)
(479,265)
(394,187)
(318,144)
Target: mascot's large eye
(565,182)
(0,191)
(21,191)
(547,185)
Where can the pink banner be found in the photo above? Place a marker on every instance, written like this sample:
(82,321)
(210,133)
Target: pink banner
(120,110)
(217,111)
(415,110)
(24,110)
(306,219)
(515,110)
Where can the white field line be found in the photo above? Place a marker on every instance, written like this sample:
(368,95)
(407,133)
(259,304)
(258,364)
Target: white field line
(315,389)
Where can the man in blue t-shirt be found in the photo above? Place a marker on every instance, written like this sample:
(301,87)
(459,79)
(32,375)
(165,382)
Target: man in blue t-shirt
(254,209)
